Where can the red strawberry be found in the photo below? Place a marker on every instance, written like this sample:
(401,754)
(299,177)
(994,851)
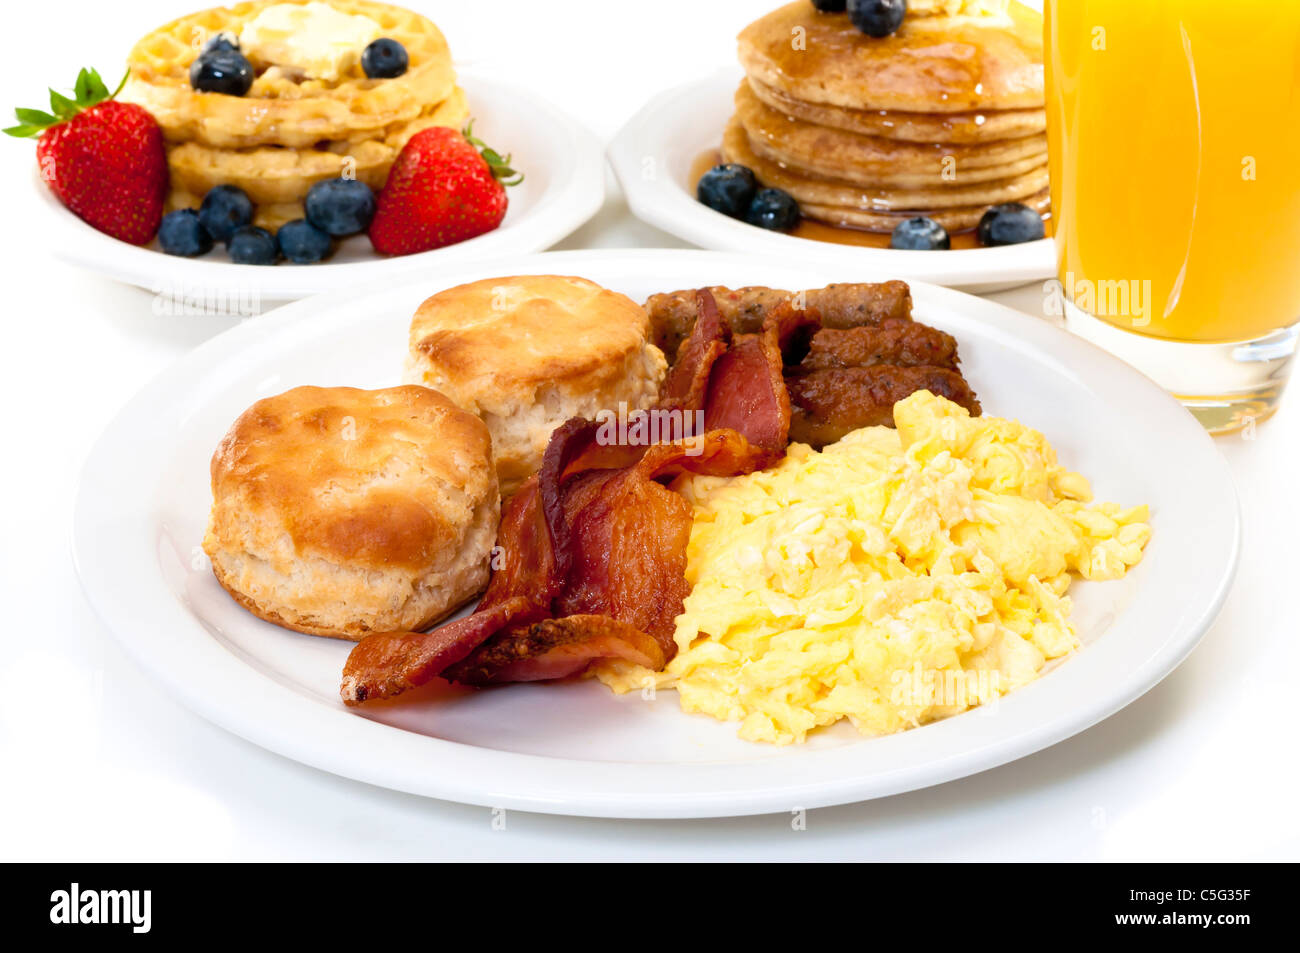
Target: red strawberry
(445,187)
(103,159)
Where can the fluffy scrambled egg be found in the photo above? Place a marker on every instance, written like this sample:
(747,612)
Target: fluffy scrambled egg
(895,577)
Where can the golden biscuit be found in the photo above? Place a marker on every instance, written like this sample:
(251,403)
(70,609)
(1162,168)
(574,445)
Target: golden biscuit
(342,512)
(528,353)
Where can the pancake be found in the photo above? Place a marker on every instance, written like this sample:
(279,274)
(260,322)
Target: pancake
(958,219)
(821,191)
(965,127)
(931,65)
(872,161)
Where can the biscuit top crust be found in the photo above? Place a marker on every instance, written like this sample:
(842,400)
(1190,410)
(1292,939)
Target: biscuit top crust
(514,335)
(368,478)
(933,64)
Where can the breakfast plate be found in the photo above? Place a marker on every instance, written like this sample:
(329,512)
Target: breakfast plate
(573,747)
(564,185)
(657,153)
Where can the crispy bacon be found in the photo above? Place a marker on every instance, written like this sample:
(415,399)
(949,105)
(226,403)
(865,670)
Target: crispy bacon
(388,663)
(557,648)
(595,543)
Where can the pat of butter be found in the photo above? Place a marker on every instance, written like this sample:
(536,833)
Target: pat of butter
(313,38)
(958,8)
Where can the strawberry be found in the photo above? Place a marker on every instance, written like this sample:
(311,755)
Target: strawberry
(103,159)
(446,186)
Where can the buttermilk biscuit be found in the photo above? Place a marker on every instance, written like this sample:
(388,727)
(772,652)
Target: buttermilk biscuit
(342,512)
(526,354)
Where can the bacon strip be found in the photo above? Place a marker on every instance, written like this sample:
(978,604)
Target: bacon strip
(557,648)
(388,663)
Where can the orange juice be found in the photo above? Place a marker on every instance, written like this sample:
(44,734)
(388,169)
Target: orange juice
(1174,128)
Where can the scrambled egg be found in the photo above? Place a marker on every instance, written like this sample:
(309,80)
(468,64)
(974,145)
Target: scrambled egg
(895,577)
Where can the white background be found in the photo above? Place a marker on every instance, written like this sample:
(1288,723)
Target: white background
(97,763)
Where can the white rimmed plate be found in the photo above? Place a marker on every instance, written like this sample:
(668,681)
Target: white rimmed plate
(654,152)
(576,748)
(564,185)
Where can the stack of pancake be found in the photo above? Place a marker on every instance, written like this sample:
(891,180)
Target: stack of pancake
(943,118)
(291,130)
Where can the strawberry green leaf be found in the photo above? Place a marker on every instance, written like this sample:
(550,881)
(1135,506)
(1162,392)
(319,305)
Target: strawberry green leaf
(89,90)
(34,117)
(98,91)
(499,164)
(62,106)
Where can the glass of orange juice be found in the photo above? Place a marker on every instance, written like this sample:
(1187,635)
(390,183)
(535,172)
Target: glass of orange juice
(1174,130)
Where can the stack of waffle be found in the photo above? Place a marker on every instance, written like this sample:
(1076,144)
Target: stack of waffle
(943,118)
(290,130)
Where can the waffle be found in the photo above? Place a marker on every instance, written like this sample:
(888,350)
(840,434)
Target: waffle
(272,175)
(279,109)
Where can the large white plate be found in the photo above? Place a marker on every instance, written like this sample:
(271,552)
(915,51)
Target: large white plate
(652,156)
(576,748)
(564,185)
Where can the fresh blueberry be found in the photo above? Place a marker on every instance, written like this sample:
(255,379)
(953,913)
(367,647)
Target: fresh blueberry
(877,17)
(1009,224)
(340,206)
(728,189)
(302,242)
(223,43)
(251,245)
(221,71)
(773,209)
(920,234)
(384,59)
(181,233)
(225,209)
(829,6)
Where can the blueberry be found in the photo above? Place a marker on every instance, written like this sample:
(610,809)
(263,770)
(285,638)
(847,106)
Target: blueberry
(225,209)
(340,206)
(877,17)
(774,210)
(384,59)
(221,42)
(1009,224)
(302,242)
(829,6)
(920,234)
(251,245)
(728,189)
(182,234)
(222,71)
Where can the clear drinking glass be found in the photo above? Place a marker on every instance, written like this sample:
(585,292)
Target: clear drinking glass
(1174,129)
